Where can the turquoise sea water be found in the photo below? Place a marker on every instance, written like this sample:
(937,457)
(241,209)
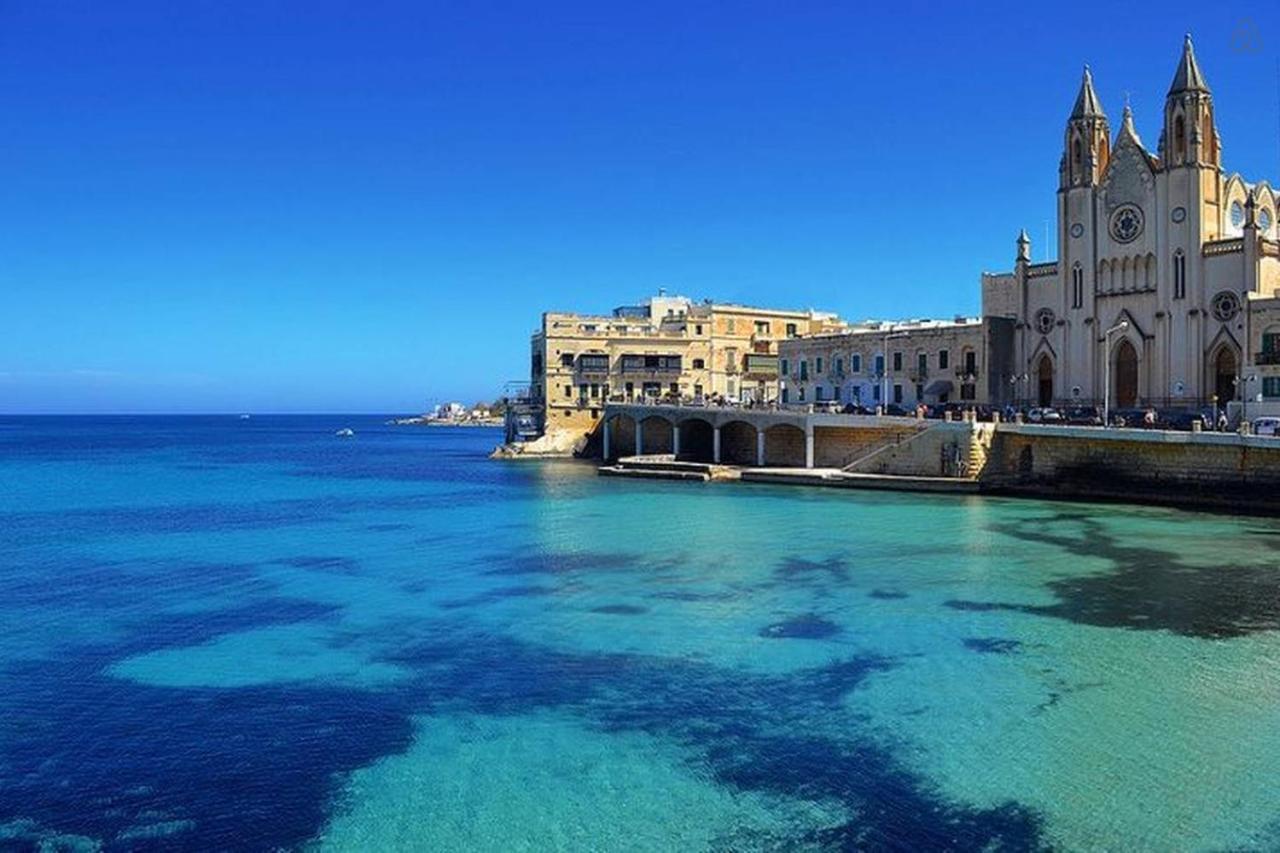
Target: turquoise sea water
(227,634)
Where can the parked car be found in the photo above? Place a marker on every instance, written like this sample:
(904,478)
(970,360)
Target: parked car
(1266,426)
(826,406)
(1044,415)
(1083,416)
(1182,419)
(1129,418)
(855,409)
(896,410)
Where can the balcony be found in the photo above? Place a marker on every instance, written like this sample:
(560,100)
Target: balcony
(650,365)
(764,366)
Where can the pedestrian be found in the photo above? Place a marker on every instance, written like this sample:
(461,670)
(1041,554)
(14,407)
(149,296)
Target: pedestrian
(1223,423)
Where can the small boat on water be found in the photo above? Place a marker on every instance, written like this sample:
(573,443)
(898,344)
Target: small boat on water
(345,432)
(244,417)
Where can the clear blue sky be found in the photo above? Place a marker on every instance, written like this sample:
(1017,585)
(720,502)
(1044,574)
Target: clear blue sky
(364,206)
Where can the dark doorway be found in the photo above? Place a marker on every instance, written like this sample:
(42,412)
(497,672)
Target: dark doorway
(1224,375)
(1126,375)
(1045,376)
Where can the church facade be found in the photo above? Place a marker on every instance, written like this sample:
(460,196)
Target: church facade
(1165,288)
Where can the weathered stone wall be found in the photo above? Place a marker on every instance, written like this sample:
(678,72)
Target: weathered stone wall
(738,443)
(937,451)
(1204,469)
(836,447)
(784,447)
(656,435)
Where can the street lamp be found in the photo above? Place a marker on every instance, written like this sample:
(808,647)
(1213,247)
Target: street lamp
(1242,388)
(1106,391)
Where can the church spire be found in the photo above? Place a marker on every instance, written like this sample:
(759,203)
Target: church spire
(1187,77)
(1087,143)
(1087,103)
(1190,135)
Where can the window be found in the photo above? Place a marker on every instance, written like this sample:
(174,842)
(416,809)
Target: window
(582,391)
(568,390)
(675,388)
(730,326)
(1077,287)
(699,364)
(922,363)
(1237,214)
(897,361)
(1271,386)
(791,330)
(800,393)
(786,395)
(697,328)
(1264,221)
(855,363)
(879,365)
(819,393)
(897,393)
(595,391)
(875,392)
(804,370)
(593,362)
(566,360)
(943,359)
(968,391)
(919,391)
(817,365)
(1179,275)
(839,366)
(1179,140)
(971,363)
(784,368)
(762,327)
(697,389)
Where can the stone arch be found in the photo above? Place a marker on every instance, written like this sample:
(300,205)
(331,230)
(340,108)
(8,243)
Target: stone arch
(622,436)
(696,439)
(1224,369)
(1125,374)
(1043,379)
(738,443)
(656,435)
(784,446)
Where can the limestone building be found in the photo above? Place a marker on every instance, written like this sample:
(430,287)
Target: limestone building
(664,349)
(1164,289)
(966,360)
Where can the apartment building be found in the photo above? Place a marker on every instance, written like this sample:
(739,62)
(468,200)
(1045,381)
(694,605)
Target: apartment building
(665,348)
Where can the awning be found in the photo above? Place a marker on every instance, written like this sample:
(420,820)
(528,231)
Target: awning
(938,387)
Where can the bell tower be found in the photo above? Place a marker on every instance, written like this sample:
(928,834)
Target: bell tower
(1087,146)
(1190,136)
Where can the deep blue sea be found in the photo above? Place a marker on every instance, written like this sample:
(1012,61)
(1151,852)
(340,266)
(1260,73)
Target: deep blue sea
(227,634)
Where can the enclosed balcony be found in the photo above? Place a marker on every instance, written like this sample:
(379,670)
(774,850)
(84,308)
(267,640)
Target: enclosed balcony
(650,365)
(762,366)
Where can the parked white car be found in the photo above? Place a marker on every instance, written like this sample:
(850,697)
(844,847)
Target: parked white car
(1266,426)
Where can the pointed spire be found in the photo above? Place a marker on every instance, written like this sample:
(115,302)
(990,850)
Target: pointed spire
(1087,103)
(1187,78)
(1127,128)
(1024,246)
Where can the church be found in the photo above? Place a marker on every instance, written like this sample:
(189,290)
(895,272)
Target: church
(1164,291)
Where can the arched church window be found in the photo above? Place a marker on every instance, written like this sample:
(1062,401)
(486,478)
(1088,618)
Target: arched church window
(1076,156)
(1179,275)
(1237,214)
(1179,139)
(1264,221)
